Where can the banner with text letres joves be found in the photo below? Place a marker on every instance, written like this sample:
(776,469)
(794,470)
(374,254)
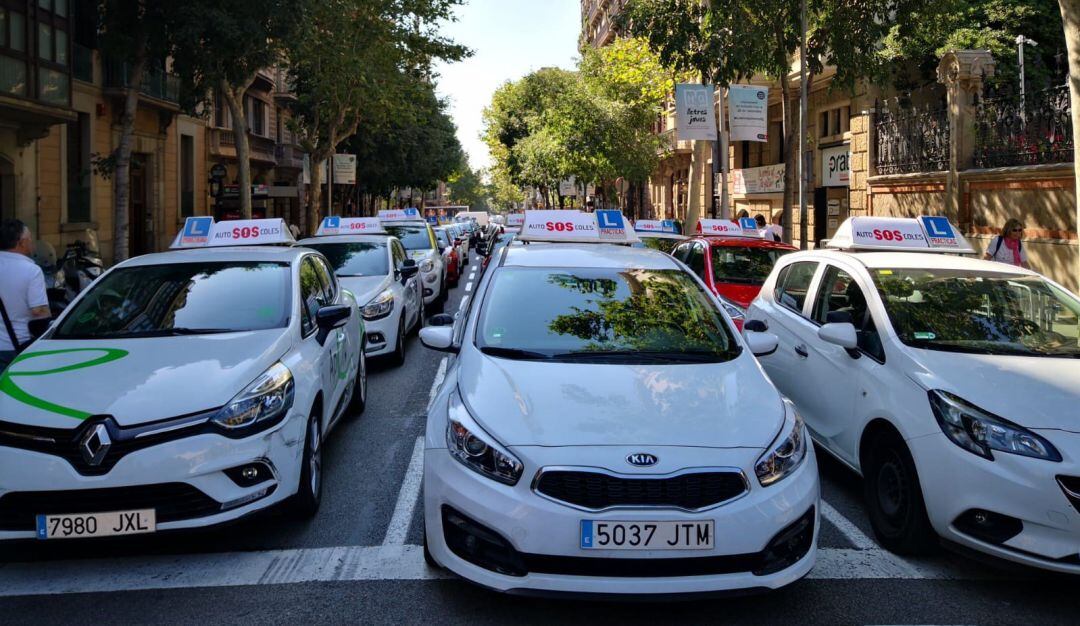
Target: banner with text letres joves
(748,113)
(695,117)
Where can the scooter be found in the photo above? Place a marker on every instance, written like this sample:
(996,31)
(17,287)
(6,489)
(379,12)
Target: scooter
(81,264)
(56,287)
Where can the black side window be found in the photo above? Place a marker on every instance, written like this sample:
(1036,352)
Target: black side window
(329,282)
(840,299)
(682,252)
(398,253)
(311,290)
(793,283)
(696,260)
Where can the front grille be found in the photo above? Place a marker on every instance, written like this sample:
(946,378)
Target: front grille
(594,490)
(172,502)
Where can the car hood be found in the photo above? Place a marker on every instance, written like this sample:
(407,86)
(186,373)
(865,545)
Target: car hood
(1034,392)
(535,403)
(420,255)
(58,384)
(365,288)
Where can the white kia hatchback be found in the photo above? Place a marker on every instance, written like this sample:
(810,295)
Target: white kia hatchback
(604,429)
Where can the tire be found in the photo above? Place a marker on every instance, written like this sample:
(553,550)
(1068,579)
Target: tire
(305,504)
(358,401)
(397,357)
(894,498)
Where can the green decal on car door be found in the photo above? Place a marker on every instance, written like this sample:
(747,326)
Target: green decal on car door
(8,386)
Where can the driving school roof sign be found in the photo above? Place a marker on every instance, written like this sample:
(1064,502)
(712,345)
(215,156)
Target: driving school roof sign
(613,228)
(927,234)
(726,228)
(656,226)
(561,226)
(409,214)
(334,225)
(204,232)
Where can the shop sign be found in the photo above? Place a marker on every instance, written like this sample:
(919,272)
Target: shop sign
(836,166)
(766,179)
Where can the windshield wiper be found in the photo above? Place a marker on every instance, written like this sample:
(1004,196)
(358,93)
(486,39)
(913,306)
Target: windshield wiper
(693,356)
(513,353)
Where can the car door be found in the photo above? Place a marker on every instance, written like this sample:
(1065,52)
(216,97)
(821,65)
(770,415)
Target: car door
(782,309)
(695,260)
(412,295)
(338,344)
(315,358)
(840,374)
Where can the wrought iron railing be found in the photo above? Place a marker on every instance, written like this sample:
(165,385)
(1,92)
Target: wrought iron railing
(1033,131)
(909,140)
(156,82)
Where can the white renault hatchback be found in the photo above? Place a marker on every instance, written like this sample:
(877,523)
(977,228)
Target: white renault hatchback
(376,269)
(951,384)
(604,429)
(182,389)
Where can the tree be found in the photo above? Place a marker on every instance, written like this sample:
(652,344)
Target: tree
(219,48)
(136,34)
(349,61)
(1070,18)
(467,188)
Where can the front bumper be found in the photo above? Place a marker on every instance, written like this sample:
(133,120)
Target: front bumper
(432,286)
(1012,507)
(545,534)
(193,465)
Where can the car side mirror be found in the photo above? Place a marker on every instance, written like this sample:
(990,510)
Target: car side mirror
(440,338)
(408,271)
(841,334)
(442,319)
(755,326)
(760,343)
(329,318)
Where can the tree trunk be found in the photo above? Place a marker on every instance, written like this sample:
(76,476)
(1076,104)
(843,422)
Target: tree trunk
(790,152)
(315,205)
(122,171)
(1070,17)
(234,99)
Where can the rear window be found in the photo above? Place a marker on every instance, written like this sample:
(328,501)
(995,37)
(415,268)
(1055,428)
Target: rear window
(748,266)
(355,259)
(412,237)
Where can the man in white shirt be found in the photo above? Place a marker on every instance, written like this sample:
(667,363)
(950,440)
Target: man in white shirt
(22,289)
(775,231)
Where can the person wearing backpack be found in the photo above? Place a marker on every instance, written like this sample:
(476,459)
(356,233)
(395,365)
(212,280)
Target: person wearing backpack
(1008,247)
(23,299)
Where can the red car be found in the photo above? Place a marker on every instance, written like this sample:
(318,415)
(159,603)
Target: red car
(734,268)
(450,256)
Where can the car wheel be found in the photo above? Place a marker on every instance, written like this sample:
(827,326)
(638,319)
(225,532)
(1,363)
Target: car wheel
(358,402)
(306,501)
(894,498)
(397,357)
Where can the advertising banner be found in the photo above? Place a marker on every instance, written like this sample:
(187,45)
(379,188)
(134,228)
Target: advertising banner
(694,115)
(767,179)
(836,166)
(344,169)
(748,113)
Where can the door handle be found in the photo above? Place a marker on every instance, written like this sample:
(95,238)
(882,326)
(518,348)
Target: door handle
(801,351)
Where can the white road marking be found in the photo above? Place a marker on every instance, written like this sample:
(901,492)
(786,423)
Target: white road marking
(472,274)
(850,531)
(468,287)
(440,374)
(398,529)
(346,563)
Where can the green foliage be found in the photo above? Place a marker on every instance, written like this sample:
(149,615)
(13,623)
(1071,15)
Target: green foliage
(467,187)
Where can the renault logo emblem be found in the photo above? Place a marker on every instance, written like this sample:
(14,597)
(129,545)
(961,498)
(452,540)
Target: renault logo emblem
(95,444)
(642,459)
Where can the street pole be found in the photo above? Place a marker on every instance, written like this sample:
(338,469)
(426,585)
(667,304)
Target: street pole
(725,201)
(804,170)
(1020,42)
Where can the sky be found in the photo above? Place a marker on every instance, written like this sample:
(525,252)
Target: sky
(509,39)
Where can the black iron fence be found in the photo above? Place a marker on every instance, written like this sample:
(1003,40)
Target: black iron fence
(1033,130)
(910,139)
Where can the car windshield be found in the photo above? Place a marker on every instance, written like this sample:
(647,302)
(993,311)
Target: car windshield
(412,237)
(750,266)
(181,299)
(980,312)
(355,258)
(663,244)
(631,315)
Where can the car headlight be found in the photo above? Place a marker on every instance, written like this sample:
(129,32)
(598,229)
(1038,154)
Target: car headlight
(427,265)
(474,449)
(786,453)
(979,431)
(264,403)
(379,307)
(733,310)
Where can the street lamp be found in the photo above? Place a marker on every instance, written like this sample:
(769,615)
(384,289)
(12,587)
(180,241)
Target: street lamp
(1020,42)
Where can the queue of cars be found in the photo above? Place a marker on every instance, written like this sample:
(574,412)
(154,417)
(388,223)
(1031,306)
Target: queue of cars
(564,450)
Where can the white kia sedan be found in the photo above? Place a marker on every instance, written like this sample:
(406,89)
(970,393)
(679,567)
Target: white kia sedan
(604,429)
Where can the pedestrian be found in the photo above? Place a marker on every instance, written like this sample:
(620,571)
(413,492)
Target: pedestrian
(1008,247)
(775,231)
(760,220)
(22,290)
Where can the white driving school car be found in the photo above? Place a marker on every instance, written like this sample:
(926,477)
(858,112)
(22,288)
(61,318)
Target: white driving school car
(603,429)
(376,269)
(951,384)
(183,389)
(419,241)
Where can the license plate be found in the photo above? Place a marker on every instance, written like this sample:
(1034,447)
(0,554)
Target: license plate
(109,524)
(646,535)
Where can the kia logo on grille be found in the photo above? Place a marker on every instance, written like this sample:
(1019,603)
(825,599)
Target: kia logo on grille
(642,459)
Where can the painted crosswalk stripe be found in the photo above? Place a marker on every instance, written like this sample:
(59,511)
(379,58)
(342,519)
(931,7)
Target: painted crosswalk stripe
(398,529)
(850,531)
(346,563)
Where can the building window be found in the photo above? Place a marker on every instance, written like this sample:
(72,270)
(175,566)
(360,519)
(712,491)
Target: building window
(834,122)
(187,175)
(78,169)
(256,116)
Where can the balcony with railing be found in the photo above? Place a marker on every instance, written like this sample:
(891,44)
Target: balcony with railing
(289,156)
(670,143)
(157,84)
(223,144)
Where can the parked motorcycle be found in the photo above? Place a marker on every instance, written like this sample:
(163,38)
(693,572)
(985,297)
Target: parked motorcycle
(56,286)
(81,264)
